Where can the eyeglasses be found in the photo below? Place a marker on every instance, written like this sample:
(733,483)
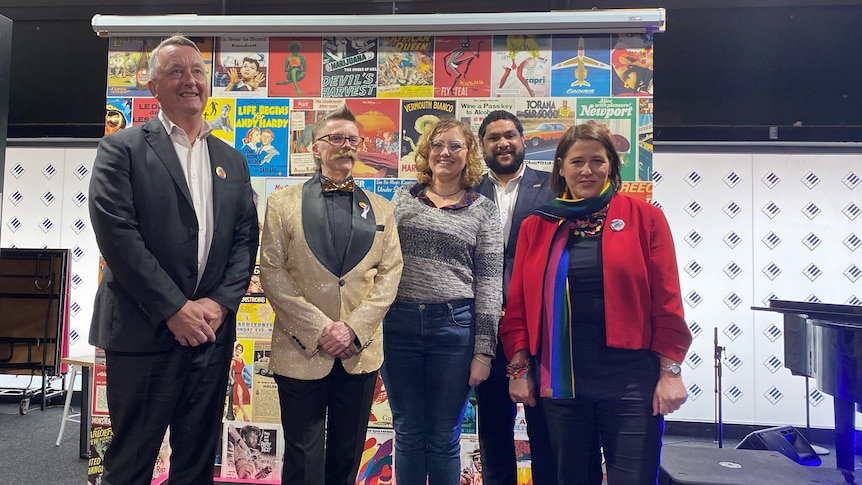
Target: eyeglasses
(337,140)
(454,146)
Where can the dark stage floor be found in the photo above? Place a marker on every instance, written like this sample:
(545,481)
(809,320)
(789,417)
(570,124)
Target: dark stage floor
(30,457)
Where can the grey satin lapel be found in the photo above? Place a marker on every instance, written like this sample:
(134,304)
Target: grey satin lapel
(160,142)
(315,225)
(362,233)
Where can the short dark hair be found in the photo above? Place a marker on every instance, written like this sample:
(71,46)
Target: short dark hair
(586,131)
(497,116)
(252,60)
(250,430)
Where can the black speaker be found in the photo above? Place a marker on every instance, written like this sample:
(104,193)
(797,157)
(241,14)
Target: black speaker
(692,465)
(784,439)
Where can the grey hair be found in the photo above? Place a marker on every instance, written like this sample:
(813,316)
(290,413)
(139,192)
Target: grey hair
(341,113)
(177,39)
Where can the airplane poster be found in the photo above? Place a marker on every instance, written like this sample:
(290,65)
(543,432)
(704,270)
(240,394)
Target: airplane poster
(581,65)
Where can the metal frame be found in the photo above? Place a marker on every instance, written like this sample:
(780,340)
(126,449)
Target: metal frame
(556,22)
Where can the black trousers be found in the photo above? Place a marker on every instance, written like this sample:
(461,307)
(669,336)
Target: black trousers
(496,419)
(319,449)
(183,388)
(612,408)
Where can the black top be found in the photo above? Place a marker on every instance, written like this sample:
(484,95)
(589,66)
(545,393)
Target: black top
(339,212)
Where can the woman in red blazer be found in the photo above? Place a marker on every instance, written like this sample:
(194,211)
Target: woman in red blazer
(594,322)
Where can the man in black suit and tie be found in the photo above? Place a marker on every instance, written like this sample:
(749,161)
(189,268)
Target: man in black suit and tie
(172,211)
(517,190)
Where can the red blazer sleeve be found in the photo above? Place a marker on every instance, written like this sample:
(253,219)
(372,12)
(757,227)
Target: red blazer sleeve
(514,333)
(670,334)
(643,305)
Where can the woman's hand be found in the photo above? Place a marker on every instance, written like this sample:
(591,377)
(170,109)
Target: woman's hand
(521,390)
(670,393)
(480,368)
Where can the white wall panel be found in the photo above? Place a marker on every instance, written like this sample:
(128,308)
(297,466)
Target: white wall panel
(706,198)
(43,208)
(32,201)
(796,235)
(800,203)
(78,236)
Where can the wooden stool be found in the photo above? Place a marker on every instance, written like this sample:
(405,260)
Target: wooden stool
(77,365)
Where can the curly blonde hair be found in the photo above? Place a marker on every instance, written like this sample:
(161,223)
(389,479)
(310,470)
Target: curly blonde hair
(472,172)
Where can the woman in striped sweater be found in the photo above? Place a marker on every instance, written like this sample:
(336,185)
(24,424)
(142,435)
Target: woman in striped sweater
(440,334)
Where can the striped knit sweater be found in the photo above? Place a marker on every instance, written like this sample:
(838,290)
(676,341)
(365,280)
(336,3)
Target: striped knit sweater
(450,254)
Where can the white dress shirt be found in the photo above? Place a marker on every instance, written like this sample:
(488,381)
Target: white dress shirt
(505,197)
(195,161)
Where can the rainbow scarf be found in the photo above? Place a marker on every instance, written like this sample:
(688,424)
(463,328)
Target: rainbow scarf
(581,217)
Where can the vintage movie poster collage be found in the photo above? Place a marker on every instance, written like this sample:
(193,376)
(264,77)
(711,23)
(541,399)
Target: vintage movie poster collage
(267,93)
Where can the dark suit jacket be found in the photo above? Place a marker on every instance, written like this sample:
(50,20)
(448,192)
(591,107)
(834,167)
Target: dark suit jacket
(147,231)
(533,192)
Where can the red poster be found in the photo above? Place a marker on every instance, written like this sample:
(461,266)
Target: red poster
(295,66)
(462,66)
(144,109)
(379,121)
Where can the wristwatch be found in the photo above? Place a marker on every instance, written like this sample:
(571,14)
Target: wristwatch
(673,368)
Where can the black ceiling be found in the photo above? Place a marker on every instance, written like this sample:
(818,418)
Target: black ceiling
(47,10)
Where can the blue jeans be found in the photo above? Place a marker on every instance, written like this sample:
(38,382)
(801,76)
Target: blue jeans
(427,351)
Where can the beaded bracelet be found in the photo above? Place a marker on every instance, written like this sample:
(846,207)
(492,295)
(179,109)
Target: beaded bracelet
(517,371)
(483,362)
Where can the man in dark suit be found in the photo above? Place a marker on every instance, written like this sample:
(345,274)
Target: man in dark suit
(517,190)
(172,211)
(330,264)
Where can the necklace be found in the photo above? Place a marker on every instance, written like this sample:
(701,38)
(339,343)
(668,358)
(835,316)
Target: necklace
(591,224)
(443,195)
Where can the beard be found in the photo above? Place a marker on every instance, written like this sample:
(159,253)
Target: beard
(499,168)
